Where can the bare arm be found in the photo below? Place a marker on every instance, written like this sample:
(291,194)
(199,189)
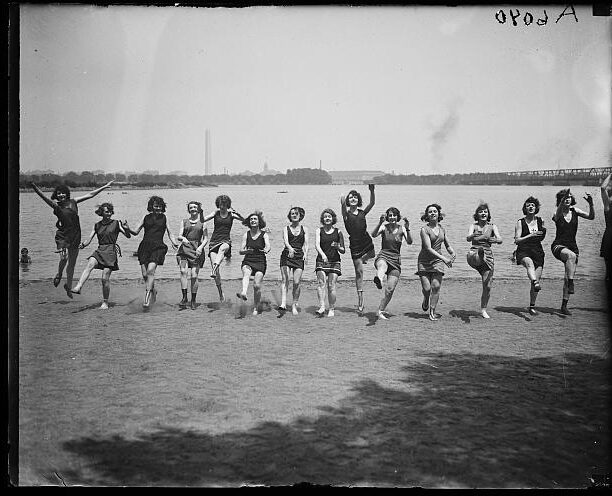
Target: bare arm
(340,246)
(426,245)
(496,238)
(287,245)
(372,200)
(204,242)
(127,234)
(48,201)
(93,193)
(582,213)
(471,234)
(343,207)
(406,231)
(91,235)
(305,246)
(266,243)
(130,230)
(318,245)
(171,236)
(236,215)
(243,248)
(379,227)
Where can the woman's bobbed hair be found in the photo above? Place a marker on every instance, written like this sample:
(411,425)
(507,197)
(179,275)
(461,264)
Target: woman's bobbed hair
(394,211)
(107,205)
(61,188)
(440,216)
(156,199)
(354,192)
(562,193)
(223,199)
(262,222)
(300,210)
(482,206)
(533,200)
(330,212)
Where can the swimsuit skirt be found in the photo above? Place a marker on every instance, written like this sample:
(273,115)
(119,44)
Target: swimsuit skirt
(257,259)
(297,243)
(152,248)
(193,232)
(488,262)
(221,234)
(108,249)
(360,241)
(427,263)
(390,250)
(68,233)
(333,257)
(565,236)
(531,248)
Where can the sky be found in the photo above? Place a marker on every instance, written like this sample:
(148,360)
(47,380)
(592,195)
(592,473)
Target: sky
(408,90)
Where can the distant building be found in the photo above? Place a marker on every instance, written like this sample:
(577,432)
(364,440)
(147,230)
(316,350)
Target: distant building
(353,177)
(268,172)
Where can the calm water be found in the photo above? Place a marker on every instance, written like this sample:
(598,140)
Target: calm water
(37,225)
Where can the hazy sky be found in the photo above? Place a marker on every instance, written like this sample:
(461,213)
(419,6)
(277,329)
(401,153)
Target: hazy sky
(406,89)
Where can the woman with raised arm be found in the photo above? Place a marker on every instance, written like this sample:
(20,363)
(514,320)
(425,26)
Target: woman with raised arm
(529,233)
(105,257)
(193,238)
(482,233)
(606,242)
(152,249)
(329,244)
(431,262)
(360,241)
(388,260)
(292,258)
(255,246)
(68,235)
(564,246)
(220,241)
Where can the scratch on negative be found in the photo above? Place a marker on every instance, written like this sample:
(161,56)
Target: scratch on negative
(60,478)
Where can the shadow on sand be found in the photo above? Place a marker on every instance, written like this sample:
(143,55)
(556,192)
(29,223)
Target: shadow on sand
(463,420)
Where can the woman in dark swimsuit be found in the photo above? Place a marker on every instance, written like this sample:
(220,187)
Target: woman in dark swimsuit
(255,246)
(329,243)
(220,241)
(190,258)
(152,250)
(564,246)
(293,256)
(68,235)
(105,257)
(431,263)
(529,233)
(606,242)
(482,233)
(388,261)
(360,242)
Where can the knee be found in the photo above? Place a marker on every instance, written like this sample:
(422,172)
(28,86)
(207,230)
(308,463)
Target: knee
(150,273)
(256,286)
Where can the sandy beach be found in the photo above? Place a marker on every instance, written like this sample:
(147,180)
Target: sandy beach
(219,397)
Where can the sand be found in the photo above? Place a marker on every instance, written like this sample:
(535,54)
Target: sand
(219,397)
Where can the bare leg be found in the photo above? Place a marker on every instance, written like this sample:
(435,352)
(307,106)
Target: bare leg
(331,292)
(257,291)
(150,282)
(392,281)
(426,289)
(217,258)
(73,253)
(91,264)
(358,264)
(569,260)
(436,284)
(213,257)
(381,270)
(321,281)
(63,260)
(246,276)
(297,277)
(106,273)
(487,282)
(284,286)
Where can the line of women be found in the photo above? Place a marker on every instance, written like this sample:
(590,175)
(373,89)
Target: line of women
(432,262)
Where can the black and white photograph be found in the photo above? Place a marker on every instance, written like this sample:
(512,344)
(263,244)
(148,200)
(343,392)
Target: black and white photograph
(280,245)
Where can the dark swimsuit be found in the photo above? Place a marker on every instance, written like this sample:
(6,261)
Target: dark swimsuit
(297,243)
(566,235)
(360,241)
(68,233)
(255,259)
(390,250)
(108,249)
(193,233)
(531,247)
(332,254)
(221,234)
(152,248)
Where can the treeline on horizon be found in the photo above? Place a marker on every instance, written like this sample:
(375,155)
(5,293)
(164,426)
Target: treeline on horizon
(486,178)
(90,179)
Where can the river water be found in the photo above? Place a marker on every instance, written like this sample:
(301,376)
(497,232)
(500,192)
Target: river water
(37,225)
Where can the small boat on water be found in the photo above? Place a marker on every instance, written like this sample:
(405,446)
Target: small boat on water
(282,191)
